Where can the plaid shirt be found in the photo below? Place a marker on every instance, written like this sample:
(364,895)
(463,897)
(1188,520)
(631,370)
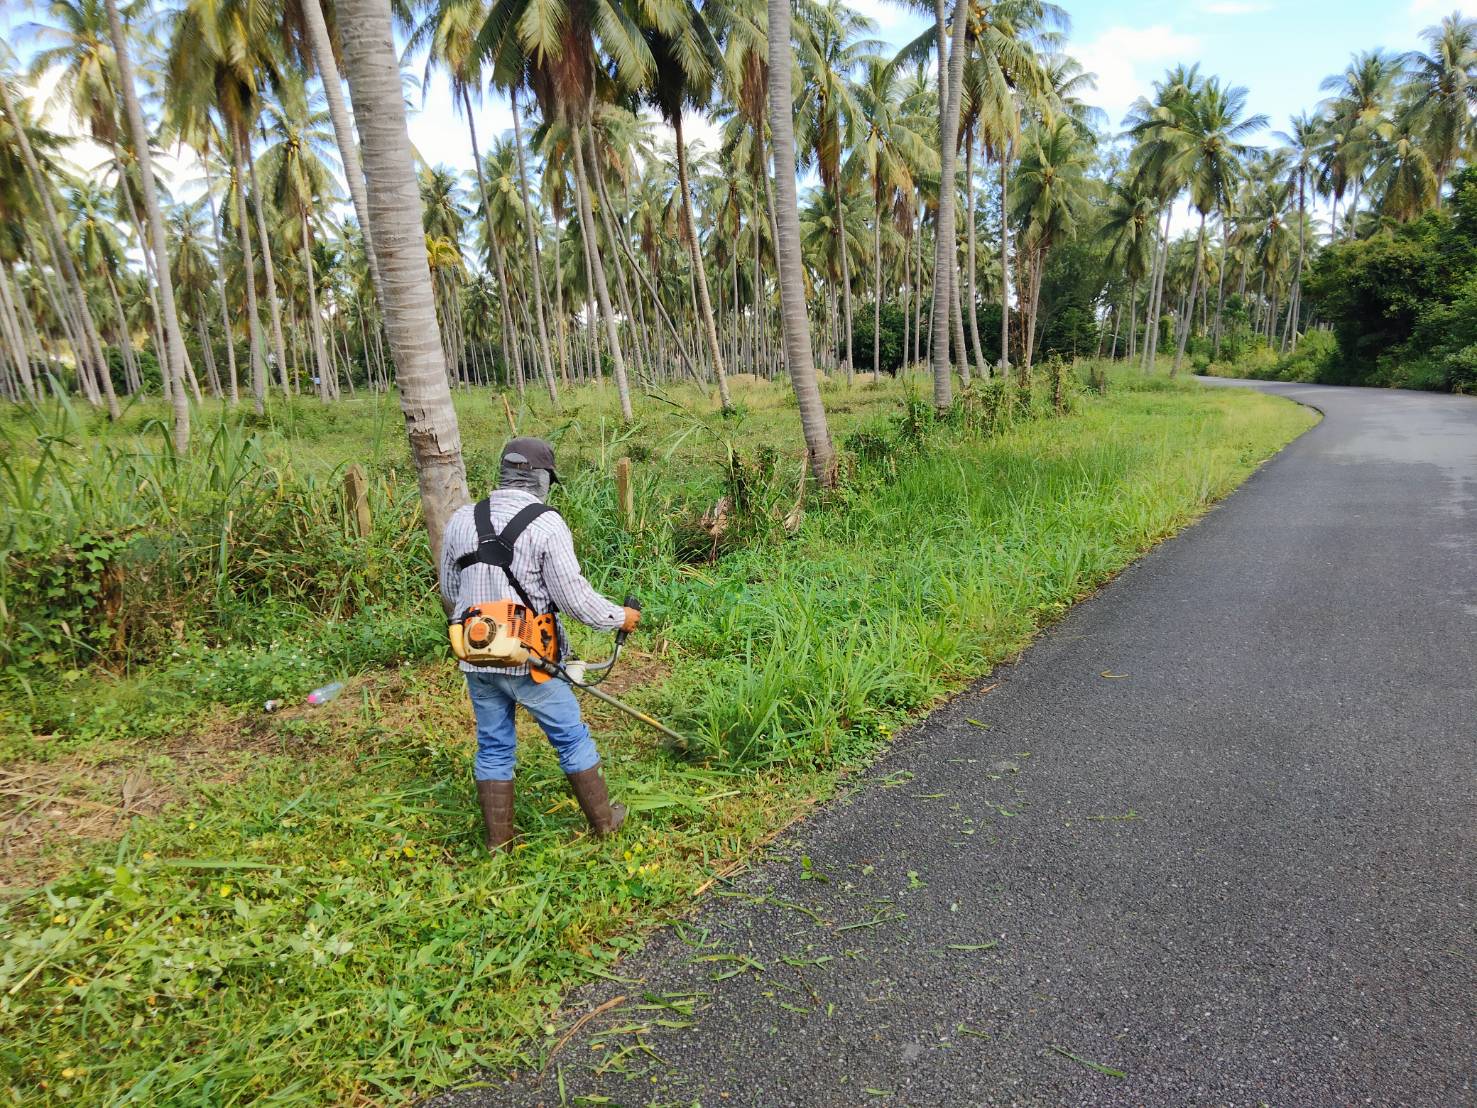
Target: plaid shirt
(543,562)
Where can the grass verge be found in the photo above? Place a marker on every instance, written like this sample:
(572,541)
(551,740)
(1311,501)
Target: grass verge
(309,920)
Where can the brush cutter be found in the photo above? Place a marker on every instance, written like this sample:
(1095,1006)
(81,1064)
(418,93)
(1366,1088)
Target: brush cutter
(578,676)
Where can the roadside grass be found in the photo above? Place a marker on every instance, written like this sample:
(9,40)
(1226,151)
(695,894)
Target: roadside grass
(310,919)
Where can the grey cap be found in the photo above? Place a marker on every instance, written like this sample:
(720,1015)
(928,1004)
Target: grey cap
(531,453)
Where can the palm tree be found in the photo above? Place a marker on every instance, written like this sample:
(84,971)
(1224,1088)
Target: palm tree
(1049,193)
(1354,114)
(1205,148)
(173,335)
(891,151)
(944,248)
(787,250)
(220,58)
(828,111)
(1301,140)
(686,61)
(1129,228)
(309,13)
(400,246)
(1402,174)
(92,366)
(1444,81)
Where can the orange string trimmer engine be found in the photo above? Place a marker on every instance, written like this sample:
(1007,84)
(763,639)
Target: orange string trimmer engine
(503,634)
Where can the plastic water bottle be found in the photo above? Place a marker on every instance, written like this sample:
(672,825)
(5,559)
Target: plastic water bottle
(326,693)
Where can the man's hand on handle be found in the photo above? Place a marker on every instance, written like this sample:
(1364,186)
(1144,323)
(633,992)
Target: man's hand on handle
(633,617)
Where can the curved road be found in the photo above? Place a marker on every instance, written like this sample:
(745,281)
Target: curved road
(1242,872)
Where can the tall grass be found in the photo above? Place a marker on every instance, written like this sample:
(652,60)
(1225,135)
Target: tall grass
(318,924)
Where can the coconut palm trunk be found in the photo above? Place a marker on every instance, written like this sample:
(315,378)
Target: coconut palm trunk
(1005,261)
(597,269)
(327,378)
(699,270)
(173,336)
(343,127)
(1179,353)
(787,250)
(220,282)
(1289,337)
(248,277)
(89,350)
(1155,308)
(269,270)
(15,338)
(407,303)
(944,248)
(969,286)
(877,281)
(535,266)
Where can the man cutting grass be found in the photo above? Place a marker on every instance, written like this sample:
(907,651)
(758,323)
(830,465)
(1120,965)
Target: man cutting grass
(514,545)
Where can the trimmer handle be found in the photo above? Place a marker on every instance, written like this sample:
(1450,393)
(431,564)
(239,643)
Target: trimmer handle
(620,636)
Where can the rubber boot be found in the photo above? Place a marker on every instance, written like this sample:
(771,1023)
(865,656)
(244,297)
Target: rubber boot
(496,798)
(589,789)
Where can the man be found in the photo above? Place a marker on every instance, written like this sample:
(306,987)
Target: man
(544,569)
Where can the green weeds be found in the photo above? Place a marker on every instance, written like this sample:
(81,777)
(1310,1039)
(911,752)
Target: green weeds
(310,918)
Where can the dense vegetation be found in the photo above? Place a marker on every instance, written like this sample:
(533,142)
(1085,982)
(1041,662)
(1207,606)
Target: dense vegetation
(297,906)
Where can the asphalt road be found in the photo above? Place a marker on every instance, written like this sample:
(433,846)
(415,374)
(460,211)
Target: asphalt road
(1238,871)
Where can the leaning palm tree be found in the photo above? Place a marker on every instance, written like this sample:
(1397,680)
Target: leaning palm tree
(787,249)
(400,247)
(92,365)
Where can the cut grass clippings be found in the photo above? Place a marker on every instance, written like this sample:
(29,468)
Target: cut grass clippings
(323,928)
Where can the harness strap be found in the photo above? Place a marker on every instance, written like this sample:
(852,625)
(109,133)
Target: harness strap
(496,549)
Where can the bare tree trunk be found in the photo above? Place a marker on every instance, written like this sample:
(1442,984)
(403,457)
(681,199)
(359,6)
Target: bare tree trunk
(876,276)
(343,127)
(974,322)
(699,271)
(15,337)
(1005,261)
(944,248)
(546,361)
(273,304)
(1155,309)
(248,269)
(956,309)
(327,379)
(220,282)
(787,250)
(602,291)
(90,357)
(400,245)
(1179,354)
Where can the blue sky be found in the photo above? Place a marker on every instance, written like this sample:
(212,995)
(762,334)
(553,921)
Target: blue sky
(1279,49)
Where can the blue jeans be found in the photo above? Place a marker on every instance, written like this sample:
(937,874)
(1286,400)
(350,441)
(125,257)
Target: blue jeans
(551,703)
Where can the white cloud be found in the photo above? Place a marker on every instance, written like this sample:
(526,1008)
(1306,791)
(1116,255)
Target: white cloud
(1236,7)
(1127,59)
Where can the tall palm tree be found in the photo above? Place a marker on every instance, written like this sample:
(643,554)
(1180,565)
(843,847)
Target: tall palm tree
(92,366)
(687,60)
(400,246)
(1354,113)
(787,249)
(1444,81)
(1129,227)
(308,14)
(1205,148)
(831,50)
(951,69)
(221,58)
(173,334)
(1049,194)
(1301,143)
(891,151)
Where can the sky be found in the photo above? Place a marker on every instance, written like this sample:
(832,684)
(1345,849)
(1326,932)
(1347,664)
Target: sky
(1280,50)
